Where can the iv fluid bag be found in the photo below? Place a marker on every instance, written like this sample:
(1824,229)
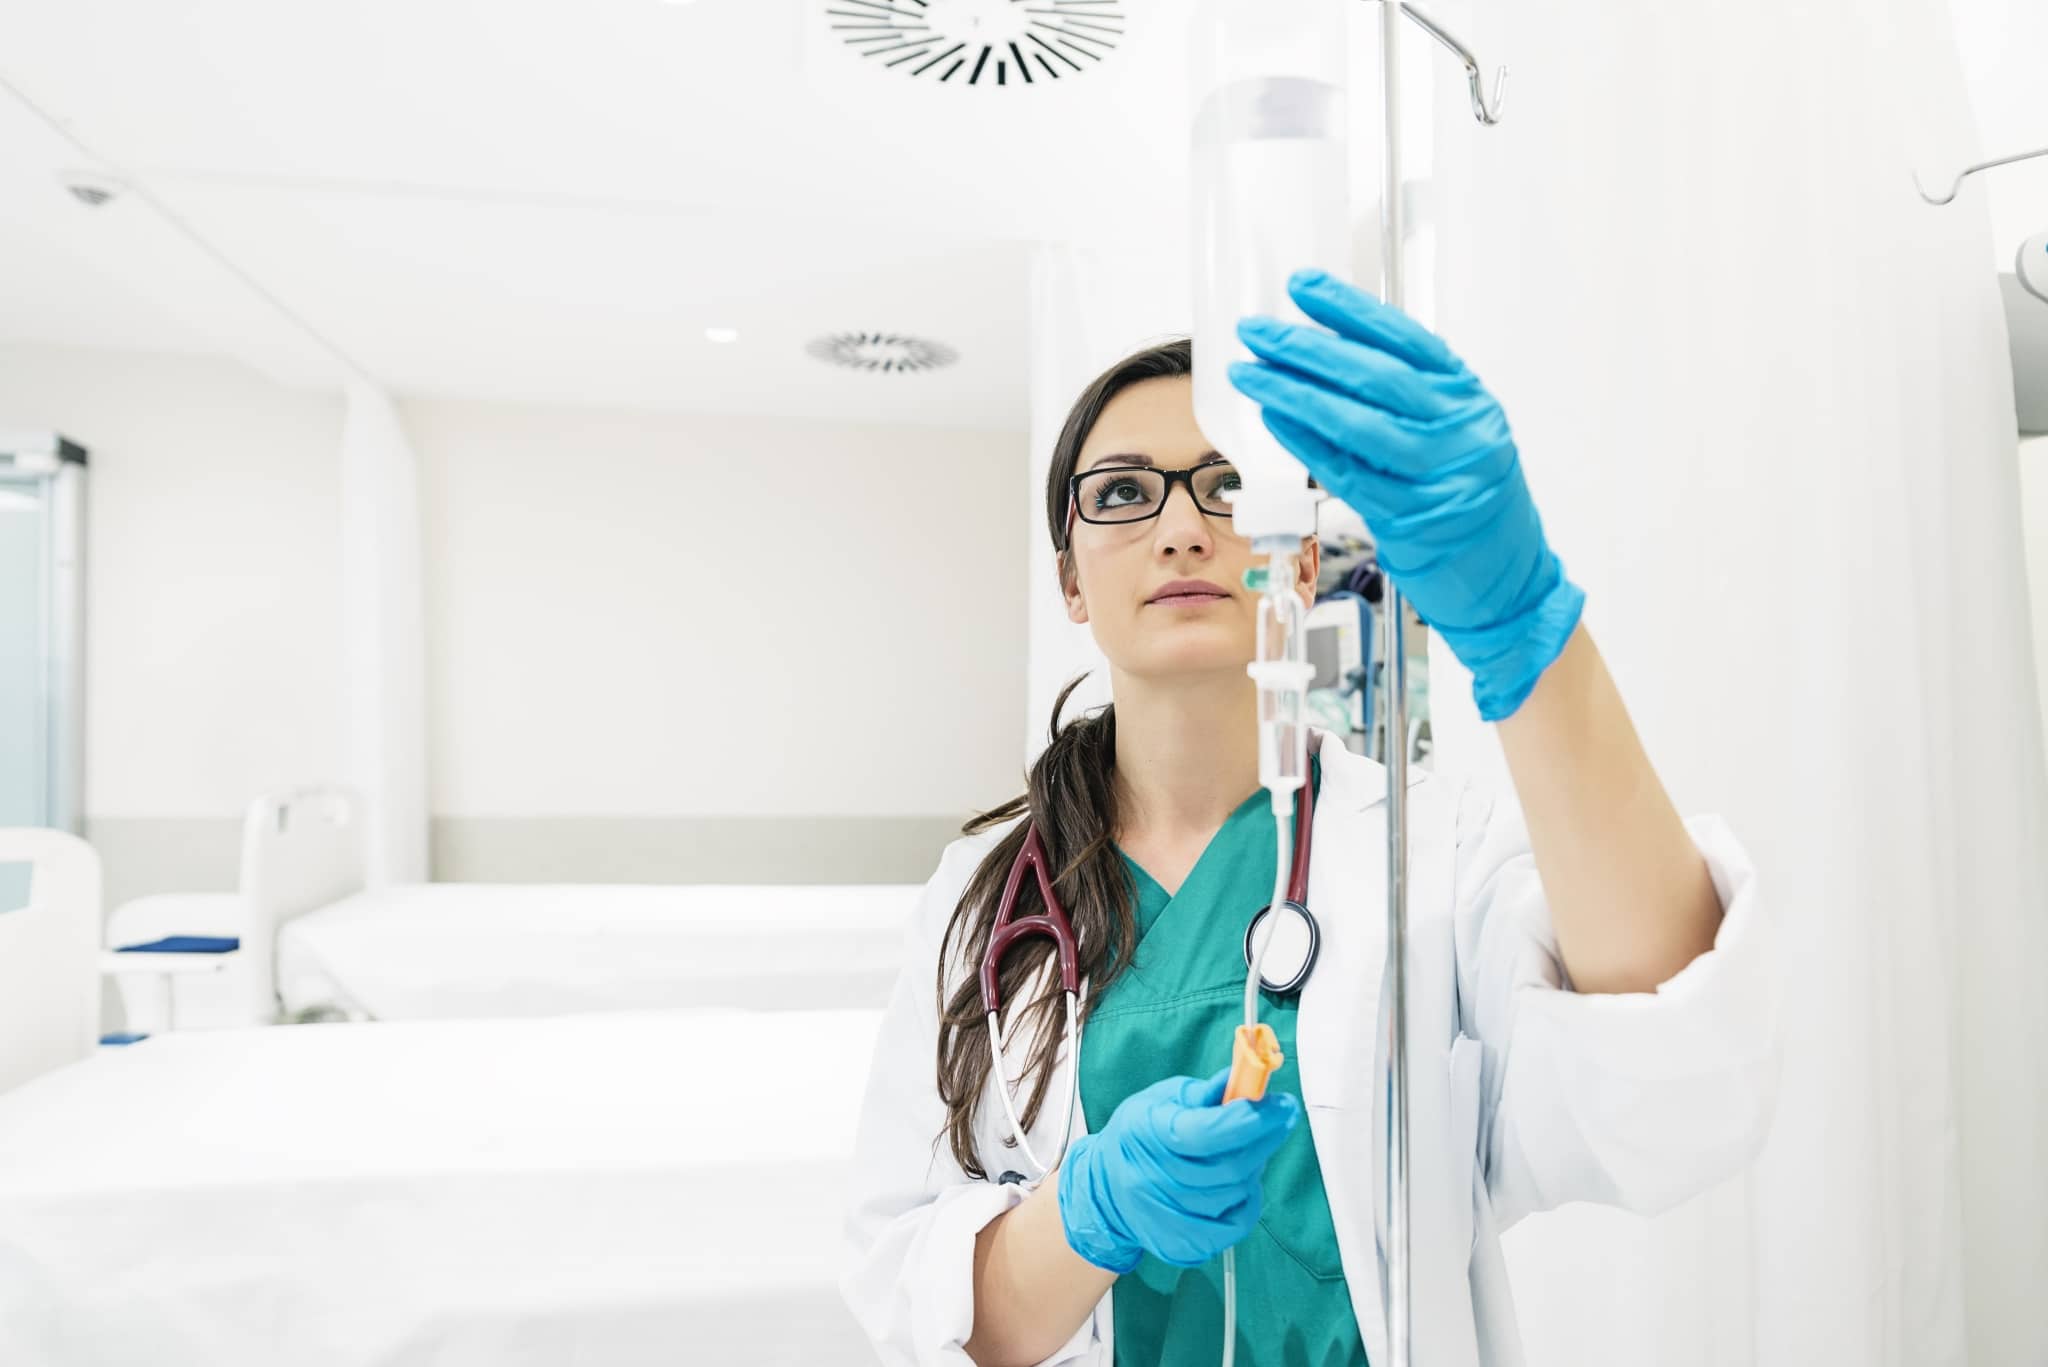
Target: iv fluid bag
(1272,196)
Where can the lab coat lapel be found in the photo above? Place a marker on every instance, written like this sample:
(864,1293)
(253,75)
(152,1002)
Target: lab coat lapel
(1344,1004)
(1340,1007)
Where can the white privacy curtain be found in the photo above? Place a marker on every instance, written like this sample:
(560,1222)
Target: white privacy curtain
(1090,307)
(384,643)
(1765,403)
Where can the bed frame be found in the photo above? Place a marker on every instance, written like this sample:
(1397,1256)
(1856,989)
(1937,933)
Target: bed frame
(300,851)
(49,956)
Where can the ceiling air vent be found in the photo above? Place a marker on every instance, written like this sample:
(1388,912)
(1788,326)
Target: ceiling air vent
(980,42)
(884,351)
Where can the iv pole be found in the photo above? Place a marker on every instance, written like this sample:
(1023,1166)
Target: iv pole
(1395,1288)
(1394,650)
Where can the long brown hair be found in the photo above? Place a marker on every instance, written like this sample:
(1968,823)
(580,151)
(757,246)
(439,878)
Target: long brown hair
(1071,797)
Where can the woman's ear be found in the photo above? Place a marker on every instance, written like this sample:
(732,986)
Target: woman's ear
(1070,589)
(1307,566)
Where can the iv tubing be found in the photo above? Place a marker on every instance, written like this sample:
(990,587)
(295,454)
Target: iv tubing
(1280,576)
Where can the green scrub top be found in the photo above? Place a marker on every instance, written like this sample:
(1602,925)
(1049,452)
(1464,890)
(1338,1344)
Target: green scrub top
(1172,1012)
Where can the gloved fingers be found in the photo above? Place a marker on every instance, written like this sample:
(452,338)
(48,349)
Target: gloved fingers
(1208,1202)
(1165,1187)
(1226,1134)
(1370,494)
(1192,1241)
(1204,1179)
(1216,1132)
(1278,1114)
(1233,1224)
(1370,491)
(1202,1091)
(1353,432)
(1352,368)
(1196,1132)
(1350,312)
(1322,457)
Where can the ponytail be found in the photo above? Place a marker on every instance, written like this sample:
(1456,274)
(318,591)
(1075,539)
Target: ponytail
(1072,801)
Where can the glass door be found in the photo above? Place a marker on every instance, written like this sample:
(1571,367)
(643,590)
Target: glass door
(41,633)
(24,653)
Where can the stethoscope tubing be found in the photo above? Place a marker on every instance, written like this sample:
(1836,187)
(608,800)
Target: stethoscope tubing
(1052,922)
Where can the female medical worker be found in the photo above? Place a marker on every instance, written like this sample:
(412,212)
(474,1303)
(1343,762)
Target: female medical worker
(1590,997)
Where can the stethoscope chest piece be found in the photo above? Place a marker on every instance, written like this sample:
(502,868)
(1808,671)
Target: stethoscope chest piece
(1291,956)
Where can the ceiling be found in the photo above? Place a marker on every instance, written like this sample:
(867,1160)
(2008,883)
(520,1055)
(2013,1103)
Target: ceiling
(553,199)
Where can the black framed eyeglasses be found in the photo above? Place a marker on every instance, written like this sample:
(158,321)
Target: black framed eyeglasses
(1118,494)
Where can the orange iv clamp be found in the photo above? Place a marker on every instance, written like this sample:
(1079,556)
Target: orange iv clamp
(1254,1057)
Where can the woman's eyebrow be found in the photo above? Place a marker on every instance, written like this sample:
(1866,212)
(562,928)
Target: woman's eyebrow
(1121,458)
(1140,458)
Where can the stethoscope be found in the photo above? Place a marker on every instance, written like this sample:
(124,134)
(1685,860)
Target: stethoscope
(1284,969)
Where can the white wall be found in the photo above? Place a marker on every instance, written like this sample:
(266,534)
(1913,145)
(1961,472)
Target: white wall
(680,615)
(213,664)
(212,574)
(2034,517)
(613,633)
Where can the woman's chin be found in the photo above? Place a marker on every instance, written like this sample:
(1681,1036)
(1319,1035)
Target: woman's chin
(1198,654)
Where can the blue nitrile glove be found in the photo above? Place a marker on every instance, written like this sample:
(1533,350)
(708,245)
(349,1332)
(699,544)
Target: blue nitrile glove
(1173,1174)
(1388,420)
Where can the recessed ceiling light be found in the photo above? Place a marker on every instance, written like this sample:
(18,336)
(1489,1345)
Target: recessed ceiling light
(721,334)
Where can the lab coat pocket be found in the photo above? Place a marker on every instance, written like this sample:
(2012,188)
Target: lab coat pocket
(1466,1056)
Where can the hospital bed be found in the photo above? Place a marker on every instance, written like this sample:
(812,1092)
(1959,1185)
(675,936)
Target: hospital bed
(625,1188)
(316,943)
(454,950)
(49,991)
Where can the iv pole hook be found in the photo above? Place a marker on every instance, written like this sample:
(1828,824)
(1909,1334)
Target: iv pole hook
(1484,108)
(1956,187)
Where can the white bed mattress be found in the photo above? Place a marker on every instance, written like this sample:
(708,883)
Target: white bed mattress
(460,950)
(608,1189)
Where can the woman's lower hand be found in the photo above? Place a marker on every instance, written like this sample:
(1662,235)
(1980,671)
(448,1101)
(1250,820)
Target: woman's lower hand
(1173,1174)
(1390,421)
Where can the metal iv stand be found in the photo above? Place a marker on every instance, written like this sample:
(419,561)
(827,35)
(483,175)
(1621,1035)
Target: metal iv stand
(1394,1208)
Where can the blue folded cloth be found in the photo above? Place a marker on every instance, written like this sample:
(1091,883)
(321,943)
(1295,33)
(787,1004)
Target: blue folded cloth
(185,944)
(123,1038)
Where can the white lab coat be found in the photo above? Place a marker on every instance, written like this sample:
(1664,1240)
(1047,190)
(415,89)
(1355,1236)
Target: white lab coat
(1522,1094)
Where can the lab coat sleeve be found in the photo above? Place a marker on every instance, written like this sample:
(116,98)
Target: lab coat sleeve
(910,1233)
(1637,1100)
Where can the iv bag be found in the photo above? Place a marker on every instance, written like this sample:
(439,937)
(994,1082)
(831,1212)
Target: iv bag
(1272,196)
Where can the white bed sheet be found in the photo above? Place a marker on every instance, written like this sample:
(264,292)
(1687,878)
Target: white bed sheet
(442,951)
(610,1190)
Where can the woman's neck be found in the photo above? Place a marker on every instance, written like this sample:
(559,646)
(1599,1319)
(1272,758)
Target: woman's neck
(1187,754)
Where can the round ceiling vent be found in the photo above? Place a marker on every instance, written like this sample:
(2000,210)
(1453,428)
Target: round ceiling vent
(887,351)
(980,42)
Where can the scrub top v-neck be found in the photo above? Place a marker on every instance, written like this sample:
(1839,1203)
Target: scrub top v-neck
(1172,1012)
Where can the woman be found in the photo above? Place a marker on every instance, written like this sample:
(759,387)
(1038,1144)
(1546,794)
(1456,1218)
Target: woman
(1589,997)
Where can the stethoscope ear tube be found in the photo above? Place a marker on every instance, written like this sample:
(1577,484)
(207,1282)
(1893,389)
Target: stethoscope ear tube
(1009,927)
(1001,1075)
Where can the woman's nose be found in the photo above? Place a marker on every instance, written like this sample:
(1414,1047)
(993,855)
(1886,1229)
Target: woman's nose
(1182,525)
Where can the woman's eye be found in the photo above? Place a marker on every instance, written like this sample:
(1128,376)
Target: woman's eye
(1116,493)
